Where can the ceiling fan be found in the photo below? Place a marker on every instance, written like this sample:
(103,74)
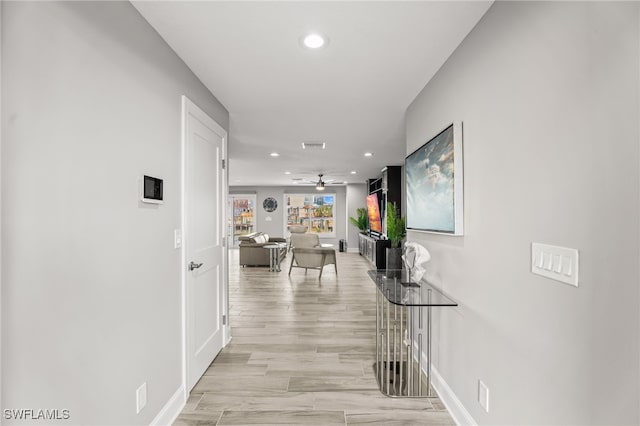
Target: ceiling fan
(321,183)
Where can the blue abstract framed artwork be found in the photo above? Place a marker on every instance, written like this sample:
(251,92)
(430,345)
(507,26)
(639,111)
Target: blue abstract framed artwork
(434,184)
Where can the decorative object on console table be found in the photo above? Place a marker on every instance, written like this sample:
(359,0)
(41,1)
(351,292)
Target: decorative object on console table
(415,256)
(396,232)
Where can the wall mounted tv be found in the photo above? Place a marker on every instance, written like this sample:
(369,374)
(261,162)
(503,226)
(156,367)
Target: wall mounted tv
(434,184)
(373,211)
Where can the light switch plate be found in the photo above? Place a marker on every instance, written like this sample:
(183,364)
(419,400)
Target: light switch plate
(177,238)
(558,263)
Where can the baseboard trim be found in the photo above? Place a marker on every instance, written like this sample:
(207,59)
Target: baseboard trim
(353,250)
(460,414)
(171,409)
(450,400)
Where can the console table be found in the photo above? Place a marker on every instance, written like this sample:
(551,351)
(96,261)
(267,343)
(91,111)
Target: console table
(398,364)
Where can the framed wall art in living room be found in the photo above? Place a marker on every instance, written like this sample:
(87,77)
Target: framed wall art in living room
(434,184)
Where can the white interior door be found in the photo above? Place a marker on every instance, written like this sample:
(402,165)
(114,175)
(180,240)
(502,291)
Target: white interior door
(204,215)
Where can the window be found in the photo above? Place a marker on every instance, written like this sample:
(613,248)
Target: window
(242,214)
(316,212)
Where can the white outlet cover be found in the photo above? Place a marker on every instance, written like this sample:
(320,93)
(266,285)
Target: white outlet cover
(483,395)
(141,397)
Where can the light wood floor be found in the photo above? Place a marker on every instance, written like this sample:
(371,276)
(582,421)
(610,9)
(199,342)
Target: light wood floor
(302,353)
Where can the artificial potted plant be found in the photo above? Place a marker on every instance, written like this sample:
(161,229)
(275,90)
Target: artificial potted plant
(362,221)
(396,231)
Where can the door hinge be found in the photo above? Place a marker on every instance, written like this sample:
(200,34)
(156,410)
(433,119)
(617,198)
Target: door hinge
(224,320)
(224,163)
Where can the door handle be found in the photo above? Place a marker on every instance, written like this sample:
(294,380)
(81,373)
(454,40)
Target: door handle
(194,265)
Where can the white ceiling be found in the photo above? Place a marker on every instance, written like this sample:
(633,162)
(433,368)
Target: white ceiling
(352,94)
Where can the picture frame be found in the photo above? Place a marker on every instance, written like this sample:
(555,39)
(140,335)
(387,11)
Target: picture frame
(434,179)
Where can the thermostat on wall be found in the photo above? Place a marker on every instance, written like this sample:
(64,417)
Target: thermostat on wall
(151,190)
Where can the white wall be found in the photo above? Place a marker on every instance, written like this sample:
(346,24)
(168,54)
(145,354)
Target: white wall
(549,96)
(274,223)
(356,198)
(91,282)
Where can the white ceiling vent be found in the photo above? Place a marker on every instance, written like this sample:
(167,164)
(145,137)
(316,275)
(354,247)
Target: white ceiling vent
(313,145)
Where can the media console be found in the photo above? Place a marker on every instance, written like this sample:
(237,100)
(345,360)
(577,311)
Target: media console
(374,250)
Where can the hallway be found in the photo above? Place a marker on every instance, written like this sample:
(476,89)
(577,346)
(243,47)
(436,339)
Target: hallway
(302,353)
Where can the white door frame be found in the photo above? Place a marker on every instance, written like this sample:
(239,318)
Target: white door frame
(187,107)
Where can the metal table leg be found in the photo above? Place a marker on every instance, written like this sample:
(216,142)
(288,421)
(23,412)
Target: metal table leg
(277,259)
(271,266)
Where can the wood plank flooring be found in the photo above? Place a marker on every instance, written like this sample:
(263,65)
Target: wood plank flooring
(302,353)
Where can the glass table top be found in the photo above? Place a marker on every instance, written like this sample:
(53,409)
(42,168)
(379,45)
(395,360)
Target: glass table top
(397,287)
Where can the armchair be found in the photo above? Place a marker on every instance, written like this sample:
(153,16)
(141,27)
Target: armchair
(308,254)
(295,229)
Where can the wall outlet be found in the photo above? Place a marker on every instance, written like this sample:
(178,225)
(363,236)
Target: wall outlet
(483,395)
(141,397)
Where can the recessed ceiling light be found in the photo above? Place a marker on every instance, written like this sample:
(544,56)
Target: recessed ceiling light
(274,154)
(353,172)
(368,154)
(314,41)
(287,173)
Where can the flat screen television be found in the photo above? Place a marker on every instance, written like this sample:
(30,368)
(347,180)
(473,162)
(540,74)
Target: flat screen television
(434,178)
(373,211)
